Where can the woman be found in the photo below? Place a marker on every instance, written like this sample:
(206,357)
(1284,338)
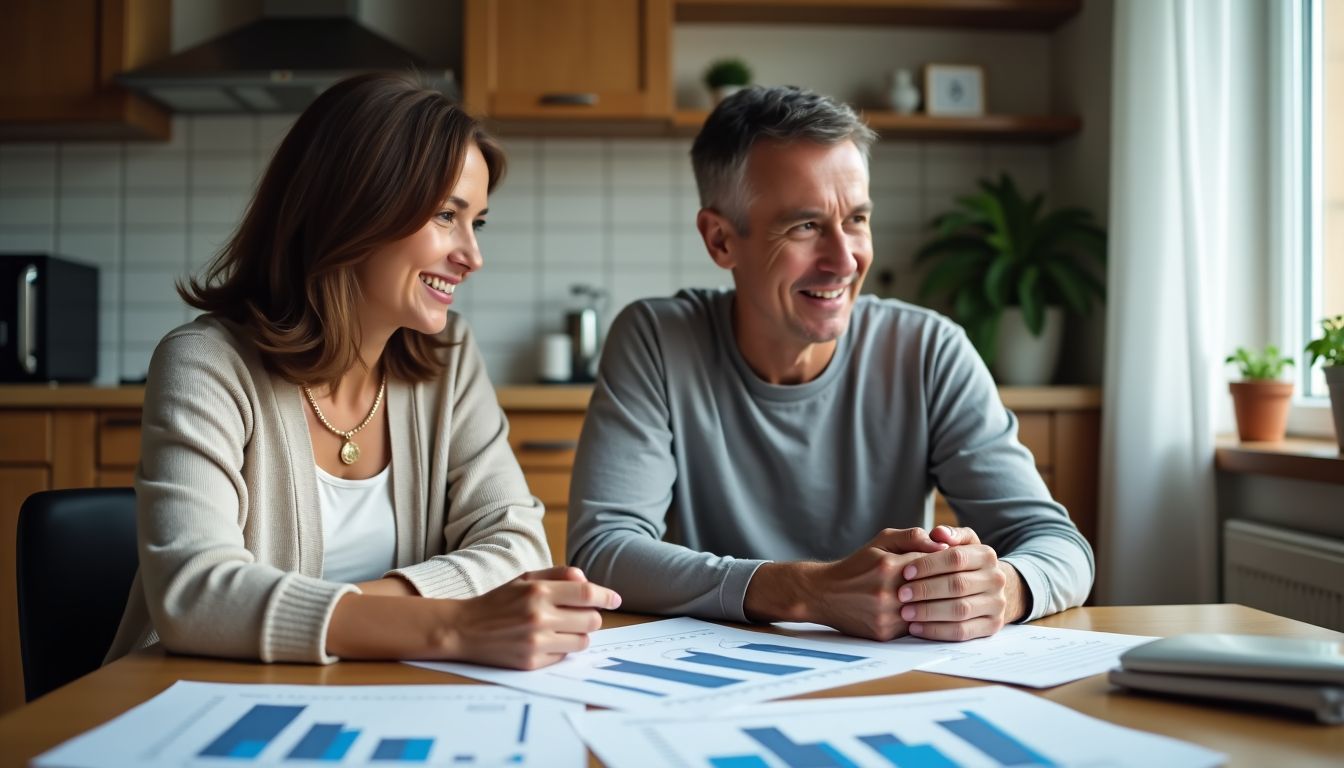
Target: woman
(322,450)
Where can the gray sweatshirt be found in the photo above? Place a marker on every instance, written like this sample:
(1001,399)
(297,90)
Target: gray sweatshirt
(692,471)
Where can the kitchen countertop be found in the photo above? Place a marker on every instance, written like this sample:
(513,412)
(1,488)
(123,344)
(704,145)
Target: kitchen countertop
(535,397)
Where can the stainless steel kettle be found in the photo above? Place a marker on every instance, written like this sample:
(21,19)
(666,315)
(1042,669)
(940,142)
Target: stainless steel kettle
(581,324)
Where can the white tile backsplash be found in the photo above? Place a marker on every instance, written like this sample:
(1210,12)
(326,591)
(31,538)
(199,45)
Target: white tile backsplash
(616,213)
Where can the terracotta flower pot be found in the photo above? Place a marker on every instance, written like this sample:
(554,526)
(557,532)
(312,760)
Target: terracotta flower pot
(1262,409)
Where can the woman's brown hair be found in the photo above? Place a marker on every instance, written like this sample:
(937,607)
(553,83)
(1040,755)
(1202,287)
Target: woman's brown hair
(368,163)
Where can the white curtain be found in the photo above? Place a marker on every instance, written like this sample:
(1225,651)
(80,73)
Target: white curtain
(1174,162)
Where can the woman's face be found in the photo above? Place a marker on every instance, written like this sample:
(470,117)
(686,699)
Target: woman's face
(410,283)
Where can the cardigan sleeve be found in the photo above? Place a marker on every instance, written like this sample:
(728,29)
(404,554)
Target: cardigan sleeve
(493,524)
(206,592)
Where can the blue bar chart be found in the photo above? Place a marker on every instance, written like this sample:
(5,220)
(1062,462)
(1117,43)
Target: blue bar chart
(982,727)
(253,732)
(214,724)
(675,662)
(327,742)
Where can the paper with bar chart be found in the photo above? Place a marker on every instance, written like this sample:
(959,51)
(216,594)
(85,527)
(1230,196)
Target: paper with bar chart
(688,662)
(1040,657)
(987,726)
(222,723)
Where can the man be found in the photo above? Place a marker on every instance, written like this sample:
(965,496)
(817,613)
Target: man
(749,454)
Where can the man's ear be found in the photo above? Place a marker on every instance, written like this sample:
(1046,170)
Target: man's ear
(717,232)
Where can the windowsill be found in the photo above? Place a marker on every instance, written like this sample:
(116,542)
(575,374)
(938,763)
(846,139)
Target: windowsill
(1295,458)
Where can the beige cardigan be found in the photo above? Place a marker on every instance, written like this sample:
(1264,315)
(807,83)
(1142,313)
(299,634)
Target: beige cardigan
(230,531)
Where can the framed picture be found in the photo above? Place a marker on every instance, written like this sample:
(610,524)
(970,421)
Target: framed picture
(954,89)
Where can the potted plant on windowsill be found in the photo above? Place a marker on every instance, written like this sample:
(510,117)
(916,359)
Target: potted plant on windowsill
(1260,400)
(1330,348)
(726,77)
(1009,272)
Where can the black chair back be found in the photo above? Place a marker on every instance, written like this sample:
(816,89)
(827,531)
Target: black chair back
(76,560)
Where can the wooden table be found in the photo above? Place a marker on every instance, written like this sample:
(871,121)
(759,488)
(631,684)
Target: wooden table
(1249,737)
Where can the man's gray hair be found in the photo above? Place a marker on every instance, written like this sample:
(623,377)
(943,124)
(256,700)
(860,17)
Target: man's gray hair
(783,113)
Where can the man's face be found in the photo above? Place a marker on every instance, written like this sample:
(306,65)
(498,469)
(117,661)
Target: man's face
(799,269)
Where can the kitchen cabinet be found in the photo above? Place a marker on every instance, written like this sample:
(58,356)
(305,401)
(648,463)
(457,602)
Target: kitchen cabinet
(585,59)
(58,59)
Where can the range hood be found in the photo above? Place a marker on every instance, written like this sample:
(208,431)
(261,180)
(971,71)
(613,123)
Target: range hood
(278,63)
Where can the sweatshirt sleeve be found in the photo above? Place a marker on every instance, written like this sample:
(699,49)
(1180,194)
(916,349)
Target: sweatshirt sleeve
(990,479)
(205,591)
(493,525)
(622,487)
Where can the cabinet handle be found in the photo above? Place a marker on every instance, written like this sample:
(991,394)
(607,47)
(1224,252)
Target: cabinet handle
(28,319)
(548,445)
(569,99)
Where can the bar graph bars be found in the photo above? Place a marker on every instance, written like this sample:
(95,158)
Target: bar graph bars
(971,729)
(252,732)
(903,755)
(327,742)
(994,742)
(796,755)
(403,750)
(673,674)
(744,665)
(789,650)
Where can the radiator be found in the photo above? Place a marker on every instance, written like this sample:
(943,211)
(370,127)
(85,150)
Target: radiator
(1281,571)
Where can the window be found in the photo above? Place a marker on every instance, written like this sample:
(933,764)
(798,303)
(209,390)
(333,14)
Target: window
(1324,292)
(1307,189)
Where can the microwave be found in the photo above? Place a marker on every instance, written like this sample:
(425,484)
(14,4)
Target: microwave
(48,319)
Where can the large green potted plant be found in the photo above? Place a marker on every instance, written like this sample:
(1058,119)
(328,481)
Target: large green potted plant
(1260,400)
(1330,348)
(1008,271)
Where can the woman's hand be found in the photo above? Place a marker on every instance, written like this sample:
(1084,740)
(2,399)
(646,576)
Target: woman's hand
(529,622)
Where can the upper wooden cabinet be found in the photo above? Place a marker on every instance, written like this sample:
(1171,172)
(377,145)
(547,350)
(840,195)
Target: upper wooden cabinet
(57,61)
(601,59)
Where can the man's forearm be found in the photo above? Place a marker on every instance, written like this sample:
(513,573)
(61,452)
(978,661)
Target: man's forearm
(780,592)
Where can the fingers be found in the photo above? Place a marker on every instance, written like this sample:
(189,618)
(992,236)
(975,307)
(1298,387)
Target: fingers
(952,560)
(962,583)
(902,540)
(581,594)
(946,534)
(957,610)
(956,631)
(558,573)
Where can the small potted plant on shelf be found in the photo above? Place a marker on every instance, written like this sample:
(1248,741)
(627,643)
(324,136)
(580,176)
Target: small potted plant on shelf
(1008,272)
(726,77)
(1260,400)
(1330,348)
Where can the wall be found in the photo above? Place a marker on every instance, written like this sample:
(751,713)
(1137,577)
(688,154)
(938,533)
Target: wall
(617,213)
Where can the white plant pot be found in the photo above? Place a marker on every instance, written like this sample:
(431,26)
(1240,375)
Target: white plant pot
(1024,360)
(1334,381)
(724,91)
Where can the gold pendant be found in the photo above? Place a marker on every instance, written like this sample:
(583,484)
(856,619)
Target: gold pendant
(349,452)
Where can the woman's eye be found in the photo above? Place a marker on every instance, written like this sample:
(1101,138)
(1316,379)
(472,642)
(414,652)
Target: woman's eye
(478,224)
(447,216)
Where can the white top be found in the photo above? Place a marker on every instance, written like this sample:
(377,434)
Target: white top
(359,534)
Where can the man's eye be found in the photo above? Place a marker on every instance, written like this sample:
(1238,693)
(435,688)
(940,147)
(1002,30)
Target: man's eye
(806,226)
(860,218)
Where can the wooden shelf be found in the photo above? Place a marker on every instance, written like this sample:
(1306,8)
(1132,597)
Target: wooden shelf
(891,125)
(1320,461)
(973,14)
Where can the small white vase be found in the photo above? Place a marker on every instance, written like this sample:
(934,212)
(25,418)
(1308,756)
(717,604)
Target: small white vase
(724,91)
(902,93)
(1024,360)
